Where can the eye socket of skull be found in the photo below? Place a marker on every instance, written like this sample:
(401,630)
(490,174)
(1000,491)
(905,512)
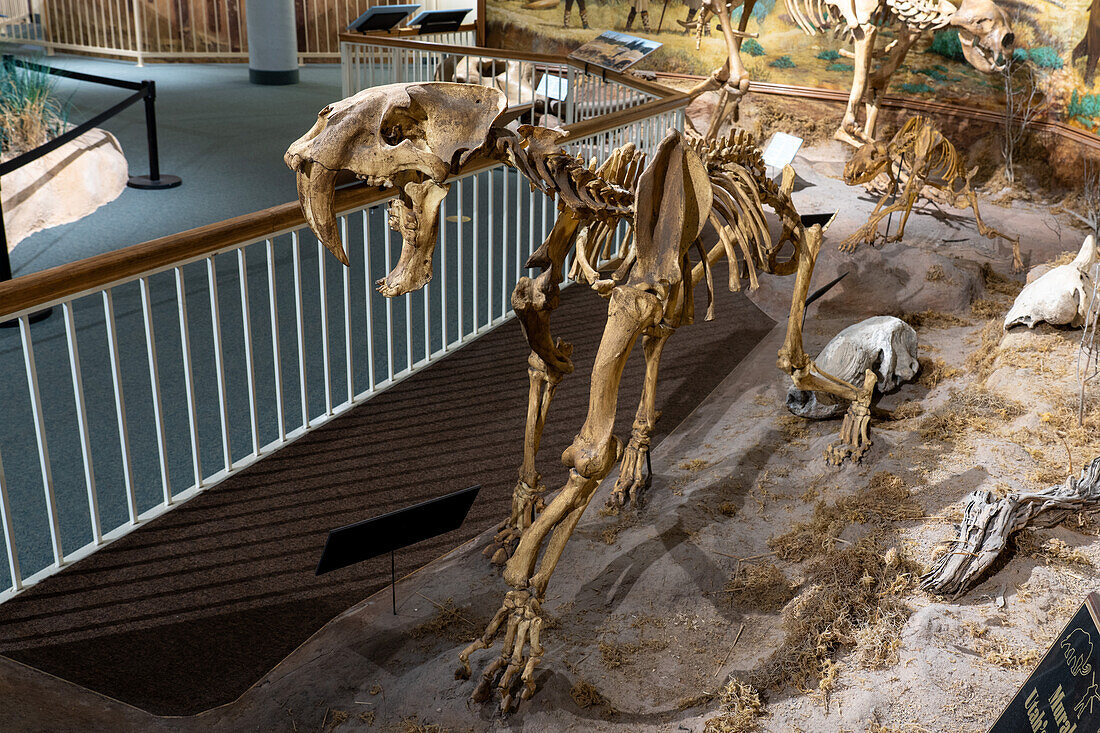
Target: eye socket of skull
(402,123)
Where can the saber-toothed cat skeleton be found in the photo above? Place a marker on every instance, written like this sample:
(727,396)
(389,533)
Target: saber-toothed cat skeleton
(983,27)
(415,136)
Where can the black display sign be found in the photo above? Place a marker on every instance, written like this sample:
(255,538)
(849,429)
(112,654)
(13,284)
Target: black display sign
(373,537)
(439,21)
(1062,694)
(382,18)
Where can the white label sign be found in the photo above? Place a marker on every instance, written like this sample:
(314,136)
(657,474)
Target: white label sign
(781,150)
(553,87)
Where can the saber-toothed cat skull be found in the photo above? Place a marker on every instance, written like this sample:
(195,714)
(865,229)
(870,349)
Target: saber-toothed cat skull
(408,136)
(985,34)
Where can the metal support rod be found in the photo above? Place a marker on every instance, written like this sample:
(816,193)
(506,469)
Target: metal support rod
(393,581)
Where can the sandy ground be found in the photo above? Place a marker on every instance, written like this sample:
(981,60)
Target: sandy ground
(653,611)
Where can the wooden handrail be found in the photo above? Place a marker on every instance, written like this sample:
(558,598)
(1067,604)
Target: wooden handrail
(644,85)
(94,273)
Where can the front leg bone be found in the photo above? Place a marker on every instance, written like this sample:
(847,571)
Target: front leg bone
(631,481)
(527,495)
(591,456)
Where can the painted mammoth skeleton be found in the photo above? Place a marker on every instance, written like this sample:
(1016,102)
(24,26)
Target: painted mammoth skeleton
(413,137)
(984,34)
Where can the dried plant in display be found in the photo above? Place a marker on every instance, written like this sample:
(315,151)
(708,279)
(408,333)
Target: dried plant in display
(1024,105)
(1088,356)
(414,137)
(987,524)
(1062,296)
(922,157)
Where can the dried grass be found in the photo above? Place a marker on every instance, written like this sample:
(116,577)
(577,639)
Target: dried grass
(586,696)
(448,622)
(973,409)
(935,274)
(985,309)
(934,319)
(885,498)
(854,589)
(850,589)
(620,655)
(1053,551)
(982,359)
(1060,440)
(1000,654)
(413,724)
(761,587)
(995,282)
(934,372)
(727,508)
(742,709)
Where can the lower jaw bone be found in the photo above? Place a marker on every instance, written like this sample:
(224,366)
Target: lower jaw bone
(419,226)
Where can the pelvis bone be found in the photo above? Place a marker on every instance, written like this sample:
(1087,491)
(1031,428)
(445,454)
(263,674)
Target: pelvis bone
(1060,297)
(407,136)
(884,344)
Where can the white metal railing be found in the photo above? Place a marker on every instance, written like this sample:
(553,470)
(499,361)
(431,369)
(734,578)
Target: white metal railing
(138,396)
(177,29)
(372,62)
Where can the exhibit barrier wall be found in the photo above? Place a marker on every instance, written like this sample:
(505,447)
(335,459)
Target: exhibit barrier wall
(183,29)
(528,80)
(235,338)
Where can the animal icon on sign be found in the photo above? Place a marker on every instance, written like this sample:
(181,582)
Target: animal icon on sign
(1077,648)
(1091,697)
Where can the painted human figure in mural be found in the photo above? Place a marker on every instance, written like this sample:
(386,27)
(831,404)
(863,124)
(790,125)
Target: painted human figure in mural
(639,7)
(1089,47)
(688,23)
(580,8)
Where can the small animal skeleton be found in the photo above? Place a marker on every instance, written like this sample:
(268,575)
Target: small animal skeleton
(922,157)
(987,524)
(413,137)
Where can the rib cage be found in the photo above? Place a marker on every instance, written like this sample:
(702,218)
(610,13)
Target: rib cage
(815,17)
(944,163)
(741,189)
(603,197)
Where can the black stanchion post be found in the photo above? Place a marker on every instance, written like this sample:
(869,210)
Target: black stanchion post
(154,180)
(5,275)
(5,261)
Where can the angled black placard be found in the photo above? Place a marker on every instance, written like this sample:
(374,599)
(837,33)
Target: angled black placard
(373,537)
(440,21)
(1062,694)
(382,18)
(808,220)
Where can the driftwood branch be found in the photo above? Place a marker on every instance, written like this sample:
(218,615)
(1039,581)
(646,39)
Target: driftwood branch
(988,523)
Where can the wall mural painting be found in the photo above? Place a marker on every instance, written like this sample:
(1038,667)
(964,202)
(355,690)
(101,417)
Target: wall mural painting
(1057,44)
